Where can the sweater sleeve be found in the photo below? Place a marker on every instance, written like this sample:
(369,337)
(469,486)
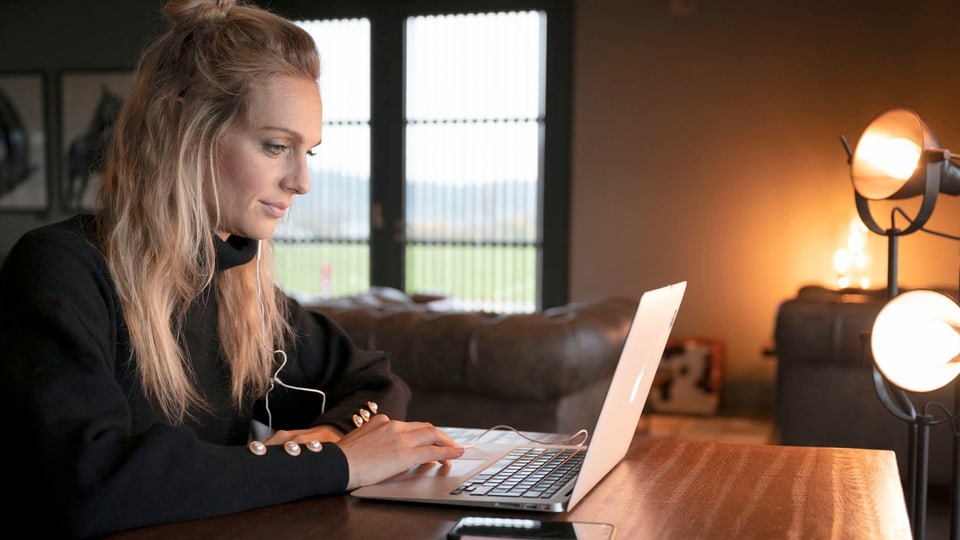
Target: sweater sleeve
(92,453)
(325,358)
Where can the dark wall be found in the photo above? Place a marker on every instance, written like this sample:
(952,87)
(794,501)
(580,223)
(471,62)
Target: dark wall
(56,35)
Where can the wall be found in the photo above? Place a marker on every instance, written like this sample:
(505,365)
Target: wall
(705,147)
(55,35)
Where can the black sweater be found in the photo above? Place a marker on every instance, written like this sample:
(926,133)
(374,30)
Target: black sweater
(92,450)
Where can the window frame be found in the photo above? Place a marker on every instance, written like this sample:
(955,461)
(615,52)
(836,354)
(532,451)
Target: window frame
(387,22)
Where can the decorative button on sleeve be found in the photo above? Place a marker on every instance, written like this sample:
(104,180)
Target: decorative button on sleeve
(365,414)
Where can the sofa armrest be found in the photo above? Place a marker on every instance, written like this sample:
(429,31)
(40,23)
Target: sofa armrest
(825,332)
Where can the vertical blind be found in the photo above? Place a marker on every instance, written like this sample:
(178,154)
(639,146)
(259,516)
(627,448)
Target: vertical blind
(323,244)
(473,128)
(473,138)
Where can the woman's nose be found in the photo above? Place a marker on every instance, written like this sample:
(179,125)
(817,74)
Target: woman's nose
(298,179)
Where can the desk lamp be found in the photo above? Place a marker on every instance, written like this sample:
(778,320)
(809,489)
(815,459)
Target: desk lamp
(916,345)
(898,157)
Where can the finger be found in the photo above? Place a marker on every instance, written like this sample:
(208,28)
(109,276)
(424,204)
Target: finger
(420,434)
(426,433)
(377,420)
(320,437)
(278,437)
(448,441)
(438,437)
(442,454)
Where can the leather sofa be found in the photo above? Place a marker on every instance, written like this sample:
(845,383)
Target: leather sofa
(545,371)
(825,390)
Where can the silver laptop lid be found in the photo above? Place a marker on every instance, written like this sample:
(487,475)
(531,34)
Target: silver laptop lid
(630,385)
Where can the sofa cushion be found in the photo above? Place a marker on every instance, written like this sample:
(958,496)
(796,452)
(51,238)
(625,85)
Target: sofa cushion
(533,355)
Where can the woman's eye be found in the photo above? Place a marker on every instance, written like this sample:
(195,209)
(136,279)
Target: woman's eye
(311,153)
(274,149)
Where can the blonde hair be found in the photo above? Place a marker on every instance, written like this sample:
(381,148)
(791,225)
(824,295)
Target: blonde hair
(158,206)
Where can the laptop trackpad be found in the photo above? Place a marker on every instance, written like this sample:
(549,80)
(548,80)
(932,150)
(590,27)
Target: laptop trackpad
(456,468)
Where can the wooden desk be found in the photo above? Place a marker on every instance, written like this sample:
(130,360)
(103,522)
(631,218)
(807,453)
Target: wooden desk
(664,489)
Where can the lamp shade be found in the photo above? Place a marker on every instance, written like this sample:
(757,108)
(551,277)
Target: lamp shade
(889,161)
(916,340)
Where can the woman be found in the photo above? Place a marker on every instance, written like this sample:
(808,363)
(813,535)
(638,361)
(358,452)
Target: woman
(152,370)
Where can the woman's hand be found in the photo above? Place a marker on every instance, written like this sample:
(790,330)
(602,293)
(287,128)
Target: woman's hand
(303,436)
(382,448)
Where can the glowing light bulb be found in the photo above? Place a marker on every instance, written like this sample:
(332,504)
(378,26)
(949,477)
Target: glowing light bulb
(896,157)
(856,241)
(842,259)
(916,340)
(860,260)
(938,342)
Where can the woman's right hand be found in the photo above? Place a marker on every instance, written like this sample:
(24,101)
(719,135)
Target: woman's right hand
(382,448)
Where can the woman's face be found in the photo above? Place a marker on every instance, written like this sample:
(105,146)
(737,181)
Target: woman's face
(262,165)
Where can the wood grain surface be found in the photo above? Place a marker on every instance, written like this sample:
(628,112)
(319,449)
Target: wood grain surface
(664,489)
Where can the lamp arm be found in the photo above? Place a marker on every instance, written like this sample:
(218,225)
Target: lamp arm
(846,147)
(863,208)
(937,161)
(905,410)
(904,215)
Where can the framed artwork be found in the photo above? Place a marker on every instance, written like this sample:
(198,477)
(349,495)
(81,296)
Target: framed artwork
(24,182)
(89,103)
(690,377)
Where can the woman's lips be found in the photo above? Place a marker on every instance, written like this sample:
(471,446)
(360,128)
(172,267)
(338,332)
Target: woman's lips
(276,210)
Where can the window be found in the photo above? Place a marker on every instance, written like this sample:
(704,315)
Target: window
(444,168)
(323,245)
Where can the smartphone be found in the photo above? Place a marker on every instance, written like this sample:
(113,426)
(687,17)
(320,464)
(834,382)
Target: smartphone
(489,528)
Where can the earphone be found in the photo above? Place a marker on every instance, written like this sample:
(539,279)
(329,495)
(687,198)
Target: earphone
(275,380)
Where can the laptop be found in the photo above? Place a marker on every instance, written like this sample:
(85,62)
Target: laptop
(479,477)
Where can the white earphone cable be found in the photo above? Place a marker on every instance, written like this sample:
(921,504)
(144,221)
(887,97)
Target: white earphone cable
(582,434)
(276,375)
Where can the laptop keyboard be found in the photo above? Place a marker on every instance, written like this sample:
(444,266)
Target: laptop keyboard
(526,472)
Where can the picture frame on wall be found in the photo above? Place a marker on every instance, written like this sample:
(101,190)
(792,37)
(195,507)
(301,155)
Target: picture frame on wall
(89,103)
(24,179)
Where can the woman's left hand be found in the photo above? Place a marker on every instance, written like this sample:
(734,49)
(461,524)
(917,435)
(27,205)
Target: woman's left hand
(303,436)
